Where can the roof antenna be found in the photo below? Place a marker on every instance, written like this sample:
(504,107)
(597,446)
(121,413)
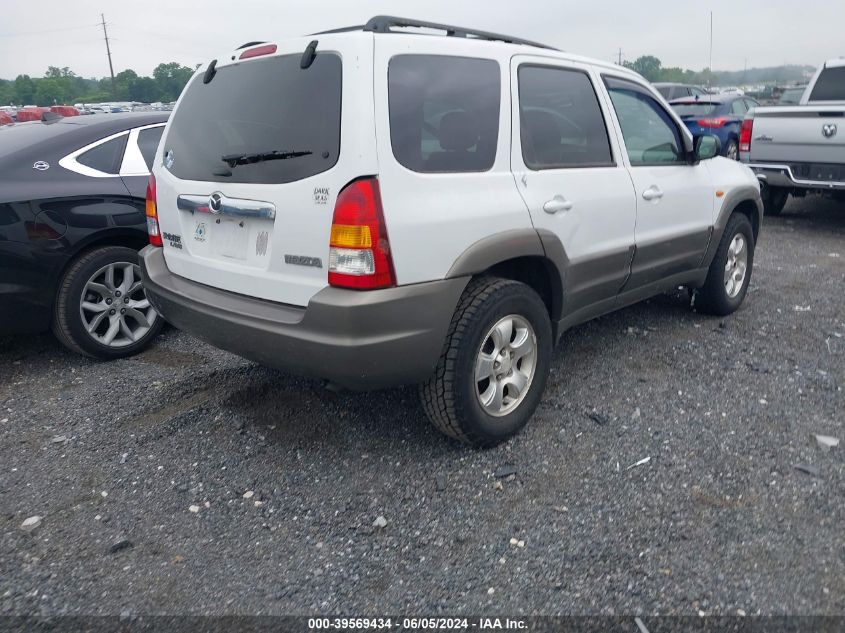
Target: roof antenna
(309,55)
(210,72)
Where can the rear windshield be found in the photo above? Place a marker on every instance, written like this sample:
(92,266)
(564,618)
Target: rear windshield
(261,121)
(694,109)
(14,138)
(830,86)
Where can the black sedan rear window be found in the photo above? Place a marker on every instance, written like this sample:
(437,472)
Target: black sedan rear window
(261,121)
(694,109)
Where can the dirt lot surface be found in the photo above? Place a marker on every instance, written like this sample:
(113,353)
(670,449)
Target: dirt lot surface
(658,476)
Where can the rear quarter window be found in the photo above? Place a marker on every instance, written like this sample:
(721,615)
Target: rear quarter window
(256,108)
(444,112)
(148,143)
(830,86)
(105,157)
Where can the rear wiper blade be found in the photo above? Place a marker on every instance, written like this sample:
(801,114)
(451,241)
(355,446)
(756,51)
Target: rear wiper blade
(233,160)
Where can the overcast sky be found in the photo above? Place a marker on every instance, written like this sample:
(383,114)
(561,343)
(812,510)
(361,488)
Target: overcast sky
(147,32)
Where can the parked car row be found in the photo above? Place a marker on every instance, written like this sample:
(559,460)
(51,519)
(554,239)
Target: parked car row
(33,113)
(10,115)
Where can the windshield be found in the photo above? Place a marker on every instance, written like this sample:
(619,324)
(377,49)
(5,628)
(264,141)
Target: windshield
(694,109)
(830,86)
(252,110)
(791,96)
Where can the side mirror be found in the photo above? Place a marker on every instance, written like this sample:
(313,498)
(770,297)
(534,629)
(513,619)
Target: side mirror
(706,146)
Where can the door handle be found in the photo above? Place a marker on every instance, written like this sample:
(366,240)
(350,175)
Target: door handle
(557,205)
(652,193)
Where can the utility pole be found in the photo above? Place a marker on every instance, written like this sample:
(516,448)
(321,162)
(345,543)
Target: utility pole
(620,56)
(108,52)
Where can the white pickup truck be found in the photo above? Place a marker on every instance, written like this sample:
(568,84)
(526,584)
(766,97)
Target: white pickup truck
(800,149)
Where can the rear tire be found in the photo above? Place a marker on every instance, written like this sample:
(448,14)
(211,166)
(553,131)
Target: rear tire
(774,200)
(732,150)
(730,271)
(101,310)
(494,366)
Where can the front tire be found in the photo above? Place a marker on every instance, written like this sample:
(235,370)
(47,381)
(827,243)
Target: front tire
(494,366)
(774,200)
(101,309)
(730,271)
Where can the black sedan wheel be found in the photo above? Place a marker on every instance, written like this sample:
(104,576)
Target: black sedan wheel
(101,309)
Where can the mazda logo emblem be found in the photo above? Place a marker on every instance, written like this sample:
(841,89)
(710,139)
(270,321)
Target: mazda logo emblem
(215,203)
(829,130)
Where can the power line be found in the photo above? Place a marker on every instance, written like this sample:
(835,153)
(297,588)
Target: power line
(66,28)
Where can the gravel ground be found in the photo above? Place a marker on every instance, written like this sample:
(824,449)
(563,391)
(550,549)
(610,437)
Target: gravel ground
(186,480)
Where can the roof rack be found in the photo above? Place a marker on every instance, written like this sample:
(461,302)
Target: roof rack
(386,24)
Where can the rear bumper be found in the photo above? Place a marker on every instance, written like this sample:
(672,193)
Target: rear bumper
(359,340)
(782,175)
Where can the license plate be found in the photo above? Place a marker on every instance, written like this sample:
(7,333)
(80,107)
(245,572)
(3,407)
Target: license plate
(231,238)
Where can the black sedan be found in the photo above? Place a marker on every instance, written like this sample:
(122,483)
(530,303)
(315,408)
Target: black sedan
(72,218)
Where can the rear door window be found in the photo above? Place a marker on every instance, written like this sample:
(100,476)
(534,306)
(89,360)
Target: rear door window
(560,118)
(444,112)
(105,157)
(830,86)
(261,121)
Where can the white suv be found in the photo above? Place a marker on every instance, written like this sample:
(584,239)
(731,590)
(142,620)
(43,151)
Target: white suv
(376,207)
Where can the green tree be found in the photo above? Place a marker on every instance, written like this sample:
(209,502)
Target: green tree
(122,81)
(647,65)
(54,72)
(7,92)
(49,91)
(171,79)
(25,89)
(144,89)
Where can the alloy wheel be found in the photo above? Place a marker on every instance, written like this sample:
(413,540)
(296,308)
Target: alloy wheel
(115,310)
(736,265)
(505,364)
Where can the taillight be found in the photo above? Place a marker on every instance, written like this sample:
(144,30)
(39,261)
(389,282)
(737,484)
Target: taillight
(359,256)
(713,122)
(745,135)
(152,213)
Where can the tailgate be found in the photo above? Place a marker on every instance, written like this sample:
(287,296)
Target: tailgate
(252,161)
(800,134)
